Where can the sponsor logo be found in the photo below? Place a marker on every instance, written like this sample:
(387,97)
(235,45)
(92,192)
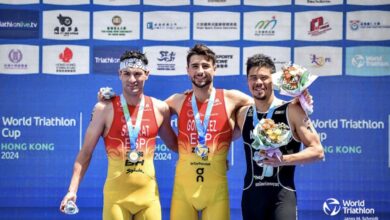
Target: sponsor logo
(20,2)
(116,20)
(331,207)
(65,24)
(66,66)
(62,2)
(319,63)
(19,24)
(15,56)
(217,25)
(200,172)
(357,24)
(358,61)
(318,60)
(267,2)
(166,60)
(266,27)
(351,209)
(106,58)
(318,26)
(116,29)
(371,2)
(116,2)
(368,61)
(216,2)
(279,112)
(167,3)
(116,25)
(66,56)
(19,59)
(65,27)
(164,26)
(368,26)
(223,60)
(227,60)
(65,59)
(318,1)
(361,61)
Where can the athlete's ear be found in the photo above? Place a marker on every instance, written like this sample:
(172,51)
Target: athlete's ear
(147,74)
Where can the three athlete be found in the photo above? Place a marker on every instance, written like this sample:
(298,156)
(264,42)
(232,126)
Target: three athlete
(206,119)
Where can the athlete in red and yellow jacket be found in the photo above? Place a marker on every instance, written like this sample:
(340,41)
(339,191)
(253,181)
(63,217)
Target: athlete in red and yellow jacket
(130,191)
(200,182)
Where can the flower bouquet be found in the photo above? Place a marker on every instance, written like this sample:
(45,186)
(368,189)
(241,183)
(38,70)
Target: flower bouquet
(268,137)
(292,80)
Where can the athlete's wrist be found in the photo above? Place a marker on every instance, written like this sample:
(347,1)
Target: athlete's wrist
(285,160)
(72,192)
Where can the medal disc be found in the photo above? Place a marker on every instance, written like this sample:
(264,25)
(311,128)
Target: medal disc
(201,150)
(133,156)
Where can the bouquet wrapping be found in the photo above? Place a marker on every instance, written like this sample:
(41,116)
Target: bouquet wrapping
(292,80)
(268,138)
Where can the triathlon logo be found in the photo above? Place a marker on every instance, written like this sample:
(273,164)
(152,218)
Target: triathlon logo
(331,207)
(358,61)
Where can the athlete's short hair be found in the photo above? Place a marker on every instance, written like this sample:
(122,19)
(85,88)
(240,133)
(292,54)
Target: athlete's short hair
(128,54)
(201,49)
(260,60)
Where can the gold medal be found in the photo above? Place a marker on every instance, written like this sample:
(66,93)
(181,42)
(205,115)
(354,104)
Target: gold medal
(133,156)
(201,150)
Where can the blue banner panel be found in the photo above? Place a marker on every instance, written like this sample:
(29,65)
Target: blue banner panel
(20,24)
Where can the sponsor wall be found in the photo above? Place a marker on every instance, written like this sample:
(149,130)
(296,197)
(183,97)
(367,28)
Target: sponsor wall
(55,55)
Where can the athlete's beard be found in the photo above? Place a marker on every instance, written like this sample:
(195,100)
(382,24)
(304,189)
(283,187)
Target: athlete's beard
(206,83)
(260,98)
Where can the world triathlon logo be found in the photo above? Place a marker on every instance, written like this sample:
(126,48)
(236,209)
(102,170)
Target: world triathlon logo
(331,207)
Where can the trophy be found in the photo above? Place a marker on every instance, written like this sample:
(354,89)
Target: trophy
(71,208)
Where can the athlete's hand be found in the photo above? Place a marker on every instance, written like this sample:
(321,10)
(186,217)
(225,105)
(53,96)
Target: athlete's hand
(69,196)
(273,161)
(308,97)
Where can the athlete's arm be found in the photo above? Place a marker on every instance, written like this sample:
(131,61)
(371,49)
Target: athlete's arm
(240,118)
(165,130)
(174,102)
(237,98)
(304,131)
(94,131)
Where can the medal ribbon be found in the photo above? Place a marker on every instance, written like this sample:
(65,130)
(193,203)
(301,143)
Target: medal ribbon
(202,128)
(133,129)
(269,114)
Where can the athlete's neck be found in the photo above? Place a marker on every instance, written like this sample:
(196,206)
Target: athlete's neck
(203,94)
(133,99)
(264,105)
